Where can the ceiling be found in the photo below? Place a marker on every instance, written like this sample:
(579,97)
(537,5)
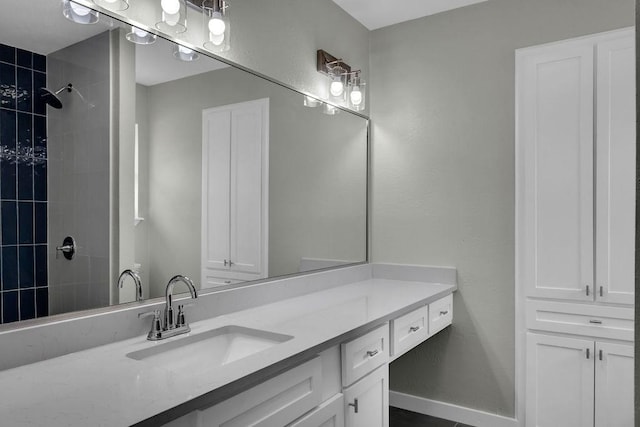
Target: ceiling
(48,31)
(375,14)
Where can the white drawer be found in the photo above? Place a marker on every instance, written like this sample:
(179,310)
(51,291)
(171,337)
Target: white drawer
(364,354)
(581,319)
(440,314)
(274,403)
(409,330)
(214,282)
(329,414)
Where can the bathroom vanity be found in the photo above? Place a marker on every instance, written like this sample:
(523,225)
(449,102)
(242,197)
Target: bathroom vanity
(317,359)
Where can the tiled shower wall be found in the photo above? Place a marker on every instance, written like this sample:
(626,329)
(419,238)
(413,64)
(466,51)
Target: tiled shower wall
(23,186)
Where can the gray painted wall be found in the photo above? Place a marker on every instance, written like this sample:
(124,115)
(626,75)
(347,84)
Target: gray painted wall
(442,105)
(317,175)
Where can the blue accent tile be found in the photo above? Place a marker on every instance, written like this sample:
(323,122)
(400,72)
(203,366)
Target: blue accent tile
(25,254)
(8,178)
(42,302)
(25,223)
(41,266)
(9,275)
(7,54)
(40,180)
(25,89)
(40,223)
(7,86)
(39,82)
(10,307)
(9,223)
(27,304)
(40,137)
(25,181)
(23,58)
(8,131)
(39,62)
(25,125)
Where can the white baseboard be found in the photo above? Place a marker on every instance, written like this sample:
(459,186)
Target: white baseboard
(448,411)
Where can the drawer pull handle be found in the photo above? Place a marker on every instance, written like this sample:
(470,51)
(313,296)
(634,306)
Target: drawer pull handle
(414,329)
(587,287)
(600,354)
(588,354)
(444,313)
(355,405)
(371,353)
(601,291)
(595,322)
(227,281)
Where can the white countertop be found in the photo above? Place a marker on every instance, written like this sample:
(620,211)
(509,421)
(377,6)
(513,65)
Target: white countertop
(103,387)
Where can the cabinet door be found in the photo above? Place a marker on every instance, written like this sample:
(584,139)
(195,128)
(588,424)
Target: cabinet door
(614,385)
(367,401)
(555,170)
(329,414)
(559,382)
(616,170)
(216,163)
(249,151)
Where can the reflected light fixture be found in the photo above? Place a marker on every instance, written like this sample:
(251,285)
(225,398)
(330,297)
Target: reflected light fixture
(78,13)
(185,54)
(330,110)
(140,36)
(310,101)
(173,16)
(216,25)
(117,5)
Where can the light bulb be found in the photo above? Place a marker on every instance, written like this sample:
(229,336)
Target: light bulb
(140,32)
(216,24)
(80,10)
(336,88)
(356,96)
(216,40)
(170,7)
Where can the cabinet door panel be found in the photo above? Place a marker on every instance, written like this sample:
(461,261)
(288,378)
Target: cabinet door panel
(371,395)
(555,127)
(329,414)
(614,385)
(615,182)
(559,382)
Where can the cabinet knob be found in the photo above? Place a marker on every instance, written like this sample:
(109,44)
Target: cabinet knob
(414,329)
(355,405)
(444,313)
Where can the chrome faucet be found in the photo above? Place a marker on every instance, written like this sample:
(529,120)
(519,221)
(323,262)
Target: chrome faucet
(136,279)
(171,326)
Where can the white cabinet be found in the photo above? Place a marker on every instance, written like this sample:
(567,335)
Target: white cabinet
(557,112)
(578,382)
(329,414)
(235,192)
(367,401)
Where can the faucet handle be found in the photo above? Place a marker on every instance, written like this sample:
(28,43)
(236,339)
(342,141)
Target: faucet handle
(156,324)
(180,317)
(154,313)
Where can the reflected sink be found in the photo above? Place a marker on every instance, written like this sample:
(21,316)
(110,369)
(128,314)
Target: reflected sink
(216,347)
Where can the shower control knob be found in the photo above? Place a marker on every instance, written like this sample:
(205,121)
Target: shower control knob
(68,247)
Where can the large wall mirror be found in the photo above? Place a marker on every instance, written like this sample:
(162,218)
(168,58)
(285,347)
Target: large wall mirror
(124,151)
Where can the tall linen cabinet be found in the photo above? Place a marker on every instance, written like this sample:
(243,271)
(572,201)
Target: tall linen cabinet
(575,213)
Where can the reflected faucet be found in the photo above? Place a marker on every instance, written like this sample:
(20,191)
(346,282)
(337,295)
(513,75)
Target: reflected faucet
(169,319)
(136,279)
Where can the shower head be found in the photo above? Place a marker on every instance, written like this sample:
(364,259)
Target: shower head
(50,98)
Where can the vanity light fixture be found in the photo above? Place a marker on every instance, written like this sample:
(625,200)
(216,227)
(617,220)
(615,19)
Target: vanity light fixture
(357,91)
(216,25)
(78,13)
(117,5)
(345,87)
(173,16)
(140,36)
(185,54)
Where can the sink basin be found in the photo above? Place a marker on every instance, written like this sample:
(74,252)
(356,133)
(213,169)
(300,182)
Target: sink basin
(216,347)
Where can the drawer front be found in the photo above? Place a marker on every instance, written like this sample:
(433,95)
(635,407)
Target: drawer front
(329,414)
(581,319)
(440,314)
(364,354)
(274,403)
(409,330)
(214,282)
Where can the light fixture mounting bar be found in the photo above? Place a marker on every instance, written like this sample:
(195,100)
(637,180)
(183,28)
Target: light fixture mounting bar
(207,4)
(325,62)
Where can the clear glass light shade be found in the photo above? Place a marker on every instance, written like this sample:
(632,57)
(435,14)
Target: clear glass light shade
(140,36)
(79,14)
(216,26)
(337,84)
(113,4)
(357,95)
(172,17)
(311,102)
(330,110)
(185,54)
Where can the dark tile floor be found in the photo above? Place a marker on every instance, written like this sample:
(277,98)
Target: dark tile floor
(402,418)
